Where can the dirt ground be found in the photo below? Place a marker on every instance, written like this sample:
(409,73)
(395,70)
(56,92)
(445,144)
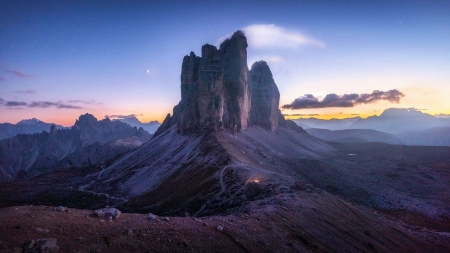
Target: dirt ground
(312,221)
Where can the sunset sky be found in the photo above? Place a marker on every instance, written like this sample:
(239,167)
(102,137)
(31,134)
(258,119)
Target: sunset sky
(60,59)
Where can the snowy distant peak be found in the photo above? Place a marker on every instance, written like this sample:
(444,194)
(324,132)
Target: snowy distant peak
(29,121)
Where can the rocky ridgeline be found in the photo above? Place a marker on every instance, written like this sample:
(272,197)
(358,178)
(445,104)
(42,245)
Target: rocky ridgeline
(218,91)
(89,141)
(27,126)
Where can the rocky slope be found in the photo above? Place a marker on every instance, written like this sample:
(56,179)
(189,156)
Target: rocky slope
(89,141)
(27,126)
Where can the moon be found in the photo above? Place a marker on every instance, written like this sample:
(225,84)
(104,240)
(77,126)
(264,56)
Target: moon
(148,71)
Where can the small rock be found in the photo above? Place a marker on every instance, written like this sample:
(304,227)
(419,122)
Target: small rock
(17,250)
(205,224)
(29,245)
(166,218)
(220,228)
(105,212)
(40,245)
(47,244)
(60,209)
(151,216)
(129,232)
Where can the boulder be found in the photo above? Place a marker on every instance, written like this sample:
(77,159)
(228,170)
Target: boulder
(45,245)
(151,216)
(109,212)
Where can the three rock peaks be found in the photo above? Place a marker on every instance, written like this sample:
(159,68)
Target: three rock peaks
(218,91)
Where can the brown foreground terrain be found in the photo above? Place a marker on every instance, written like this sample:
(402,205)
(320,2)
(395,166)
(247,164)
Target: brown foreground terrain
(305,220)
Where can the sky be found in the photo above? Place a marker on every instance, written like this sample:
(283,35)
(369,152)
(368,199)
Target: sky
(330,59)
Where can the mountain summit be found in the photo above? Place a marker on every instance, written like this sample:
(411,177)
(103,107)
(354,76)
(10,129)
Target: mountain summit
(216,91)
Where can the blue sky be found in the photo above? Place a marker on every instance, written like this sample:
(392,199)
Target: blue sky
(59,59)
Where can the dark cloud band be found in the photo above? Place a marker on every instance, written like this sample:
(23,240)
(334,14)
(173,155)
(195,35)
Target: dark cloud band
(41,104)
(123,116)
(308,101)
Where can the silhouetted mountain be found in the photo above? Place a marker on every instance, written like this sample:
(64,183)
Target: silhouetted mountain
(437,136)
(353,135)
(88,142)
(330,124)
(134,122)
(398,120)
(26,126)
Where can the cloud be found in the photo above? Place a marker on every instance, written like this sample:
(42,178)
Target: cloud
(46,104)
(43,104)
(314,114)
(25,91)
(15,72)
(272,36)
(308,101)
(123,116)
(39,104)
(442,115)
(88,102)
(15,103)
(63,106)
(19,73)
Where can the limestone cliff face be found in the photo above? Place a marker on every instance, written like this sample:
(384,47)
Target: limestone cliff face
(218,91)
(265,97)
(236,85)
(215,91)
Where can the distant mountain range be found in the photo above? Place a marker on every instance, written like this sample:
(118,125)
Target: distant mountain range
(393,126)
(89,141)
(134,122)
(392,120)
(26,126)
(353,135)
(397,121)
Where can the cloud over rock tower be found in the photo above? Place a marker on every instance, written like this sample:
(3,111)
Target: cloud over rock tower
(216,91)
